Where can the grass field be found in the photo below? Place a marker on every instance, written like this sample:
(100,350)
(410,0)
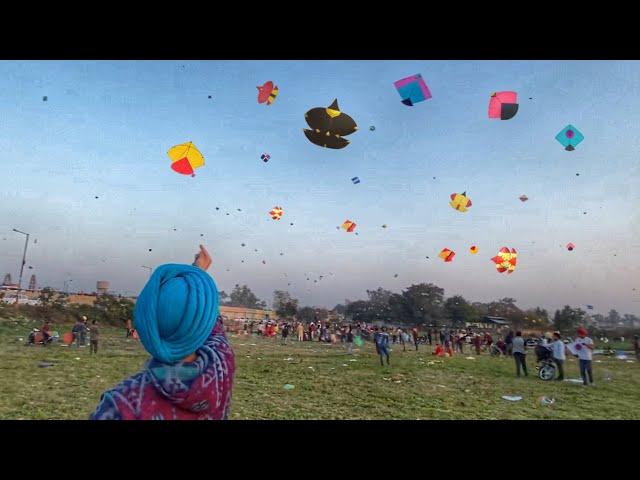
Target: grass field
(329,384)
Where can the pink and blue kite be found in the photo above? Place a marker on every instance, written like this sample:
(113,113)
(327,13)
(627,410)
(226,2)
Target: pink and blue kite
(412,90)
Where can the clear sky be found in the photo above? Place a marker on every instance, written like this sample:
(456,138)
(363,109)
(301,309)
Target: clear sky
(106,127)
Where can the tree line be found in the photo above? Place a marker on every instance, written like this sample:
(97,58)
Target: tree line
(422,304)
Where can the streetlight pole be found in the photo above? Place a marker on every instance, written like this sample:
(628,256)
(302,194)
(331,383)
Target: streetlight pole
(24,257)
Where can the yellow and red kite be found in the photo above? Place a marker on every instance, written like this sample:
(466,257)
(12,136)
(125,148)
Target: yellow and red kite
(185,158)
(473,249)
(276,213)
(505,260)
(460,202)
(447,255)
(349,226)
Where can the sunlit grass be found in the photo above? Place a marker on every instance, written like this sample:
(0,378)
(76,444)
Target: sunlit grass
(329,384)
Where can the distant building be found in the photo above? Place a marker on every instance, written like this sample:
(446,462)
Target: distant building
(102,287)
(489,322)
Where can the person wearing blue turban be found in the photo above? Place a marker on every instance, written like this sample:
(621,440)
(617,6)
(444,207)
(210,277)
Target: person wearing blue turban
(190,374)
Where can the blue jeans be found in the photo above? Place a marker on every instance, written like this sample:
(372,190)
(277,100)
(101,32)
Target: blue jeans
(585,368)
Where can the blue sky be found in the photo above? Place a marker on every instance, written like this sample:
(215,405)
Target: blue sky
(106,127)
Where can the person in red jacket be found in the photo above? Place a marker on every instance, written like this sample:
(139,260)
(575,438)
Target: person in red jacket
(477,341)
(46,332)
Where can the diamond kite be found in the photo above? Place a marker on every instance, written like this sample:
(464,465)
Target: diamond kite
(412,90)
(185,158)
(505,260)
(523,198)
(349,226)
(276,213)
(473,249)
(265,157)
(570,246)
(267,93)
(355,180)
(447,255)
(503,105)
(460,202)
(569,137)
(329,126)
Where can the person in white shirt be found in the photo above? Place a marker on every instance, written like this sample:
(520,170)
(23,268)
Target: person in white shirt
(584,346)
(558,348)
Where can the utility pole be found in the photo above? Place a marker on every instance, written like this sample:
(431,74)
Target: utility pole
(24,260)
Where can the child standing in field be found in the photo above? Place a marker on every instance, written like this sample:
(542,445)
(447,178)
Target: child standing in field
(519,353)
(559,355)
(94,336)
(300,332)
(190,374)
(381,339)
(349,340)
(584,347)
(78,332)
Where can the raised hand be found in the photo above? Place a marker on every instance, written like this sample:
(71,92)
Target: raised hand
(203,259)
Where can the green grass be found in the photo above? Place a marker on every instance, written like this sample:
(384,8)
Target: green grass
(411,388)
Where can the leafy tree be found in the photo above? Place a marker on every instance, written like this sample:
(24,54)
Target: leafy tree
(340,309)
(306,315)
(399,309)
(321,314)
(507,308)
(379,308)
(630,320)
(359,311)
(537,318)
(284,305)
(568,318)
(459,311)
(613,319)
(113,310)
(425,302)
(52,305)
(598,319)
(242,296)
(223,297)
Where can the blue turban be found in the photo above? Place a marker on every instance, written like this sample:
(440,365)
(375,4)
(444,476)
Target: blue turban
(176,311)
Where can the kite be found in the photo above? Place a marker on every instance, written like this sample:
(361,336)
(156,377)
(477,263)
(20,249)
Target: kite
(45,98)
(523,198)
(505,260)
(185,158)
(372,128)
(265,157)
(349,226)
(569,137)
(384,226)
(267,93)
(460,202)
(412,90)
(447,255)
(355,180)
(276,213)
(329,126)
(503,105)
(473,249)
(570,246)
